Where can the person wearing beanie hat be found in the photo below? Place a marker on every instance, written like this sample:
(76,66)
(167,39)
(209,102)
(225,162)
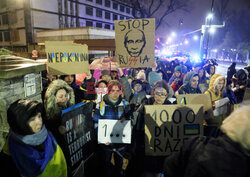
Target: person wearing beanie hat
(226,154)
(176,80)
(30,147)
(105,75)
(153,77)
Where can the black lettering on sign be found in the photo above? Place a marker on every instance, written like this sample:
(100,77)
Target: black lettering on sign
(168,133)
(157,143)
(122,60)
(176,144)
(154,115)
(145,22)
(168,146)
(157,131)
(177,119)
(145,59)
(161,116)
(190,116)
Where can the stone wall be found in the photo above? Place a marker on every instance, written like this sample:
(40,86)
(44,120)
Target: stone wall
(12,89)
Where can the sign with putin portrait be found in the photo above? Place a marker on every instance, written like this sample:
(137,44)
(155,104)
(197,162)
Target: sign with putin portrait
(135,42)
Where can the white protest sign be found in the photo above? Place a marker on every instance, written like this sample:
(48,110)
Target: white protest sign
(114,131)
(30,84)
(221,106)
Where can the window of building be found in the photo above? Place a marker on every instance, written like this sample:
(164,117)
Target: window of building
(90,0)
(107,3)
(115,6)
(128,10)
(107,15)
(107,26)
(89,10)
(99,13)
(6,36)
(89,23)
(5,19)
(122,8)
(1,37)
(99,25)
(99,2)
(115,17)
(122,17)
(113,27)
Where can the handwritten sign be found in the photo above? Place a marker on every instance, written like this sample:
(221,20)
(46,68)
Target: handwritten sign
(79,136)
(114,131)
(167,127)
(65,58)
(221,106)
(135,42)
(30,84)
(203,99)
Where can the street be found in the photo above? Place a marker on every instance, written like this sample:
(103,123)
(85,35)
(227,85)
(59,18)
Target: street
(223,66)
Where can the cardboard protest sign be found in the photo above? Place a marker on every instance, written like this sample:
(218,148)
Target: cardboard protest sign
(247,94)
(65,58)
(135,42)
(114,131)
(79,136)
(203,99)
(167,127)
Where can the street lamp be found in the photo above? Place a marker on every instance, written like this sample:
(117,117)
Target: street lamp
(212,30)
(195,37)
(209,16)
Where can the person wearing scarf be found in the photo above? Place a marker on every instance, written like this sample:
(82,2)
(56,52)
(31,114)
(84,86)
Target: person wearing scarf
(32,148)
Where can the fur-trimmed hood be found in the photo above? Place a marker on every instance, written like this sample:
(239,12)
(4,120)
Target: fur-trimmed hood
(215,80)
(53,110)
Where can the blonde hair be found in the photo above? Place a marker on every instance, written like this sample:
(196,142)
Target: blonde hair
(237,126)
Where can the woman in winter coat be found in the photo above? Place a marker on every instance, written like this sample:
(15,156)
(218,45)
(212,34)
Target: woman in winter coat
(216,87)
(190,84)
(58,97)
(162,94)
(227,154)
(30,148)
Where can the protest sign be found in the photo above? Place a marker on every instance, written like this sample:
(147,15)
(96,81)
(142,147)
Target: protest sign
(221,106)
(114,131)
(66,58)
(79,136)
(203,99)
(247,94)
(135,42)
(167,127)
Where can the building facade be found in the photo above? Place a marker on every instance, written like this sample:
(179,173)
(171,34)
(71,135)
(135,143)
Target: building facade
(21,19)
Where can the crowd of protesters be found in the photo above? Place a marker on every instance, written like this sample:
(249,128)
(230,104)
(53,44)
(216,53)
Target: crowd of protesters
(117,96)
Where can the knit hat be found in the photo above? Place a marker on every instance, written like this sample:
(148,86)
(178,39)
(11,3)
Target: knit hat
(104,72)
(154,77)
(19,113)
(178,68)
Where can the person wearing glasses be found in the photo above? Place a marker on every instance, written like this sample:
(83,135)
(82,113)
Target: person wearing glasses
(161,94)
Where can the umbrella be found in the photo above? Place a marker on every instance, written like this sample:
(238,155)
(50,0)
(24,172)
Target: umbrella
(107,63)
